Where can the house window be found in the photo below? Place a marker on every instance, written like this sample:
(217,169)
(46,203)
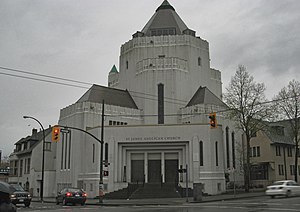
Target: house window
(28,166)
(259,172)
(127,64)
(290,152)
(258,151)
(21,168)
(254,152)
(91,187)
(280,170)
(201,153)
(278,153)
(292,169)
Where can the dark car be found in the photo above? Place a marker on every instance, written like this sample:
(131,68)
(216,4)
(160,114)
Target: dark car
(20,196)
(71,195)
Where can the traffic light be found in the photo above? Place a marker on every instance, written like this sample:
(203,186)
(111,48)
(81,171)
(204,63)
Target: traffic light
(55,134)
(213,120)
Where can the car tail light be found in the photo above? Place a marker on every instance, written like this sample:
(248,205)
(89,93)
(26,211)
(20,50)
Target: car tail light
(68,194)
(84,194)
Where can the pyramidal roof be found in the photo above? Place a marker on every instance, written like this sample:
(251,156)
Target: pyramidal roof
(114,69)
(165,21)
(204,96)
(111,96)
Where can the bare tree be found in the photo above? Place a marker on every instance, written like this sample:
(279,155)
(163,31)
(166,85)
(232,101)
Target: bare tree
(246,99)
(288,108)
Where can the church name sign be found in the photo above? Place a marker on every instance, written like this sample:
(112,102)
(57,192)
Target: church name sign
(154,138)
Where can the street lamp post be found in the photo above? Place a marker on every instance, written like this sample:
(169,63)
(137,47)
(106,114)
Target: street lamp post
(43,155)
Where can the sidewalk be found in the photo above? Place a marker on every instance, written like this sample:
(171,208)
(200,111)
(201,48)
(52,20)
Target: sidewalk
(164,201)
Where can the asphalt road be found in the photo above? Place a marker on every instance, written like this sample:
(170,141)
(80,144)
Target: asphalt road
(258,204)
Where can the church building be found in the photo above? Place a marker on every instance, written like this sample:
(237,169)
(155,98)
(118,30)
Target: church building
(156,117)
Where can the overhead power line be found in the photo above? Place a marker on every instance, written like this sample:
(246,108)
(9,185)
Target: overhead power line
(55,81)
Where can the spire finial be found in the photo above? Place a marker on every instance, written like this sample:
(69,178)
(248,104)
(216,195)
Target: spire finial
(165,5)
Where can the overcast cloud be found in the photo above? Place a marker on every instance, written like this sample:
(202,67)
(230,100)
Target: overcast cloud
(81,39)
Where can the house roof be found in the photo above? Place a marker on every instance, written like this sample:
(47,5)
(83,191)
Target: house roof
(165,17)
(204,96)
(111,96)
(34,139)
(280,133)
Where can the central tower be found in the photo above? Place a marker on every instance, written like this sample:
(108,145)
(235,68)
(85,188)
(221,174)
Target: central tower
(163,66)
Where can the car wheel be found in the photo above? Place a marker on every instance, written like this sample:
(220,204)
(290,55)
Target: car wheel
(27,204)
(83,203)
(288,193)
(64,201)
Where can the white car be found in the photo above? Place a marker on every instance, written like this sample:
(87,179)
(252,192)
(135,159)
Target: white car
(283,188)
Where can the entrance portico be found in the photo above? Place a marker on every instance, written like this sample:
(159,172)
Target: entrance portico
(151,162)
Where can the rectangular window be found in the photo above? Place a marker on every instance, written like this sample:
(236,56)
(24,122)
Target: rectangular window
(16,168)
(160,104)
(254,151)
(278,153)
(91,187)
(93,153)
(290,152)
(227,148)
(217,154)
(258,151)
(233,149)
(292,169)
(280,170)
(28,166)
(201,153)
(21,168)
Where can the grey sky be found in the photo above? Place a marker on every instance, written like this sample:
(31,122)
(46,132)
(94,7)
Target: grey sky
(81,39)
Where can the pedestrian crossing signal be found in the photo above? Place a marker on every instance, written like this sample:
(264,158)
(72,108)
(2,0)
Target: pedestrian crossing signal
(55,134)
(213,120)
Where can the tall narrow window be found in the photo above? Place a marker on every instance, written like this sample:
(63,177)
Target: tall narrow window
(28,165)
(160,103)
(106,152)
(233,149)
(199,61)
(21,168)
(62,151)
(127,64)
(69,155)
(227,148)
(93,153)
(217,154)
(201,153)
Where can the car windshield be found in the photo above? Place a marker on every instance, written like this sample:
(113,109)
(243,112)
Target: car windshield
(17,187)
(278,183)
